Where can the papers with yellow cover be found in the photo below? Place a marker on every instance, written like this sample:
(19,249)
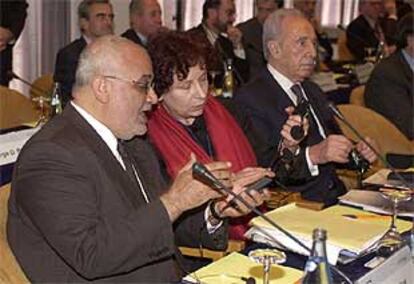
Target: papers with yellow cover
(344,233)
(234,267)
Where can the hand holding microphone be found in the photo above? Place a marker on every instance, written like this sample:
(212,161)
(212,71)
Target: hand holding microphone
(230,207)
(295,128)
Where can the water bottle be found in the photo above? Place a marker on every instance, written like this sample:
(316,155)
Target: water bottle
(56,102)
(228,83)
(317,268)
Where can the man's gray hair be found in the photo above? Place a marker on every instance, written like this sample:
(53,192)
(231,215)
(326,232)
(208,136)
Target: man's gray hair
(272,27)
(94,61)
(83,8)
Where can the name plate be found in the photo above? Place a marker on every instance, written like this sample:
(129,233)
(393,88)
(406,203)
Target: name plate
(12,143)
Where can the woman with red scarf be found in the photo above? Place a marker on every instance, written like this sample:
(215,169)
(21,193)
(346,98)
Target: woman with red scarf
(189,120)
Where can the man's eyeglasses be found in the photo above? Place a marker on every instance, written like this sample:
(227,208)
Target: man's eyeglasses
(139,86)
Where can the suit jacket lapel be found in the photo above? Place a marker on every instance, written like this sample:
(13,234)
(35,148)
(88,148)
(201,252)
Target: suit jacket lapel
(282,102)
(111,165)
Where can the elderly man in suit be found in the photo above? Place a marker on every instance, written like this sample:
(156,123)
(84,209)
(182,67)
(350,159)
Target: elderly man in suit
(12,18)
(290,49)
(95,20)
(145,19)
(88,201)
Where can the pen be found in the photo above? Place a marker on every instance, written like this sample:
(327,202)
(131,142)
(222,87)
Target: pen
(365,217)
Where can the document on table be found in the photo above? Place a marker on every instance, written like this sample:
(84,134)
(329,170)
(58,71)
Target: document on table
(236,268)
(344,233)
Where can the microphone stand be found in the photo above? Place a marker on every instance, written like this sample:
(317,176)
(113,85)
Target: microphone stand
(342,118)
(201,173)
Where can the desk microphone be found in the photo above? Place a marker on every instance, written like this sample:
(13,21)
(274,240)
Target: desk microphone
(342,118)
(202,174)
(37,90)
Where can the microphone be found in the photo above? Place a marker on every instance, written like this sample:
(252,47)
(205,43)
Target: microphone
(341,117)
(302,110)
(202,174)
(200,171)
(40,92)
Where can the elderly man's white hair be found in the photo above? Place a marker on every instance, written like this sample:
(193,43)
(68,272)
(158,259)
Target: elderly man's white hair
(272,27)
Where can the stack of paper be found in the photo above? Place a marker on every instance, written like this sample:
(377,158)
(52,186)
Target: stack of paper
(354,235)
(380,178)
(236,268)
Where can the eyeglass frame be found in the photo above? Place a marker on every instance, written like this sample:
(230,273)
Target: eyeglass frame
(141,87)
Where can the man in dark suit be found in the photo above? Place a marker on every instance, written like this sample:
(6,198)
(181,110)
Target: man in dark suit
(252,31)
(12,18)
(145,19)
(289,40)
(390,89)
(365,32)
(88,201)
(95,20)
(221,40)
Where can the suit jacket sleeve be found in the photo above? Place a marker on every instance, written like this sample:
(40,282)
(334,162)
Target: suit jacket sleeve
(13,16)
(59,194)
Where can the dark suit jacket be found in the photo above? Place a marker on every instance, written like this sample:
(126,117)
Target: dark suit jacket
(217,55)
(265,101)
(65,68)
(12,16)
(390,92)
(132,35)
(253,44)
(360,35)
(74,214)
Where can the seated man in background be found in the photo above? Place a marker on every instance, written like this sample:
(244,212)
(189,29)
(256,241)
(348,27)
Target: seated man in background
(87,199)
(290,49)
(222,41)
(390,89)
(145,19)
(95,20)
(252,31)
(364,34)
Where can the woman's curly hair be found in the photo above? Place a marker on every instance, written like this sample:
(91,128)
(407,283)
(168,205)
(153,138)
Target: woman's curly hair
(173,52)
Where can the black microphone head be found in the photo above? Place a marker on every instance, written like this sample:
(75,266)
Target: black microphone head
(202,174)
(297,132)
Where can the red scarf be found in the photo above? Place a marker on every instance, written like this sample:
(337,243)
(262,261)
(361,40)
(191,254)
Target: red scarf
(175,145)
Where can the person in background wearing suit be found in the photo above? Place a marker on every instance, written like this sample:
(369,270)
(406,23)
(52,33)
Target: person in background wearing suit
(222,40)
(87,197)
(145,19)
(390,89)
(365,32)
(12,18)
(252,31)
(290,49)
(95,20)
